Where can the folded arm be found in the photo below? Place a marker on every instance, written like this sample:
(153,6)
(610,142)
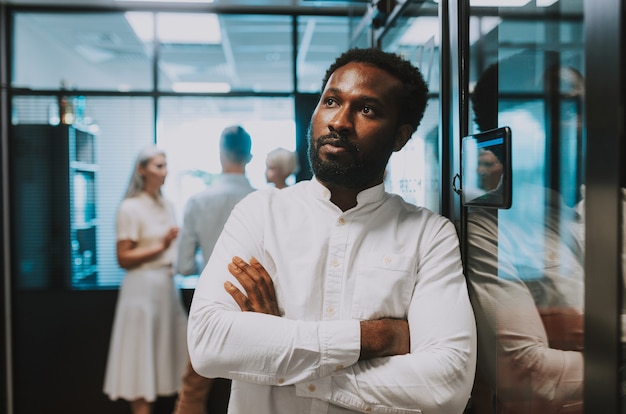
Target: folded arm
(530,356)
(429,357)
(379,338)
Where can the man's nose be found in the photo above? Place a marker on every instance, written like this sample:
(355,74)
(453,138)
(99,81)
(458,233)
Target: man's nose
(341,120)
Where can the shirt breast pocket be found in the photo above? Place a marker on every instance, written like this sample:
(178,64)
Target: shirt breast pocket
(384,287)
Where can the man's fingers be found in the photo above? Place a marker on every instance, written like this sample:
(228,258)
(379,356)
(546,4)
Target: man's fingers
(239,297)
(257,284)
(265,282)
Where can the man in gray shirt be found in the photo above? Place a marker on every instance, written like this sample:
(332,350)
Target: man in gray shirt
(205,215)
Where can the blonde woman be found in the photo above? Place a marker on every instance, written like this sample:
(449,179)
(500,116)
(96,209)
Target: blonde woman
(279,165)
(147,352)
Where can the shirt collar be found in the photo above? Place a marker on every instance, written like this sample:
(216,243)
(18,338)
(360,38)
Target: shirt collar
(231,177)
(369,195)
(151,200)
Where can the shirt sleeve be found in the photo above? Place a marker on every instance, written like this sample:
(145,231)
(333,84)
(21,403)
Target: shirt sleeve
(255,347)
(438,373)
(321,357)
(515,354)
(188,243)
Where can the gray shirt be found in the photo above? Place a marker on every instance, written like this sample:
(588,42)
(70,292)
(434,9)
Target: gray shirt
(205,215)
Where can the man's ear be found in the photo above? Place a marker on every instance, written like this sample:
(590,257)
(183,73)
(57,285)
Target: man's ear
(405,131)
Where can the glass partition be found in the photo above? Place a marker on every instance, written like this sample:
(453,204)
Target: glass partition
(225,53)
(320,40)
(94,51)
(525,265)
(415,172)
(66,183)
(189,130)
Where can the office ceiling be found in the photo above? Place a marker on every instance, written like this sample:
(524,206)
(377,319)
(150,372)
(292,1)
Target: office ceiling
(224,4)
(254,53)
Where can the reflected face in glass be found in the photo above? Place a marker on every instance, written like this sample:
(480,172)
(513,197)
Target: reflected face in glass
(353,128)
(154,172)
(489,170)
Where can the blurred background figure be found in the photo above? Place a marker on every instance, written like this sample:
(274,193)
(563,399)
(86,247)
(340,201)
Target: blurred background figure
(148,348)
(205,215)
(280,164)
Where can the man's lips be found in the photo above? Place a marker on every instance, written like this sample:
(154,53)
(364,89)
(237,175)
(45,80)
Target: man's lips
(337,146)
(334,147)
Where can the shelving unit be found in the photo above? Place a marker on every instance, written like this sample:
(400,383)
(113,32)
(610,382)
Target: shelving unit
(83,219)
(54,231)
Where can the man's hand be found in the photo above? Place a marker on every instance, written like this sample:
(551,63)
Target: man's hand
(384,337)
(260,294)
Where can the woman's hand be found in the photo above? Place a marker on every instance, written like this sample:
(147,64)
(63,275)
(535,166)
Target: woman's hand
(130,256)
(170,236)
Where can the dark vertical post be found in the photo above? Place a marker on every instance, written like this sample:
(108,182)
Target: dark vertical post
(6,366)
(604,63)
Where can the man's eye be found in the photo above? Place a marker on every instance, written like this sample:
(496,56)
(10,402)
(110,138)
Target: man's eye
(368,110)
(330,101)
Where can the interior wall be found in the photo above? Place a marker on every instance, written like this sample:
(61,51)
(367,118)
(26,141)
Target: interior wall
(61,346)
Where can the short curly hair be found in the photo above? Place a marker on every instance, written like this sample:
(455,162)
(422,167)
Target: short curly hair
(414,94)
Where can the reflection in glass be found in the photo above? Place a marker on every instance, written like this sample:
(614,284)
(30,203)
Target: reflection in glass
(525,265)
(486,169)
(415,172)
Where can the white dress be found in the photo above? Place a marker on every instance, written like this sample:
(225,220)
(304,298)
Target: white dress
(148,348)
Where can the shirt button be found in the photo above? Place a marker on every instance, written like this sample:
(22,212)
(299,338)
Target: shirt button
(330,310)
(339,367)
(342,220)
(387,259)
(334,263)
(281,380)
(368,409)
(312,388)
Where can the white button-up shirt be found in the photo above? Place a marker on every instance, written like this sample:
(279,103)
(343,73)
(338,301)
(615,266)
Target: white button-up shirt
(332,269)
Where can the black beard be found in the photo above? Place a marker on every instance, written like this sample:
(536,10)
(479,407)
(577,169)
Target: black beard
(359,174)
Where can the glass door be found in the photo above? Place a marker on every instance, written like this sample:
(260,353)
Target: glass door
(526,264)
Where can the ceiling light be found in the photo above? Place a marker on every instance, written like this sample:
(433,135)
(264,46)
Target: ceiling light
(168,1)
(207,87)
(545,3)
(142,24)
(94,54)
(497,3)
(421,30)
(189,28)
(177,28)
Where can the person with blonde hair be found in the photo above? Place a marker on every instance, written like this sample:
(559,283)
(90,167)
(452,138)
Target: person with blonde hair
(279,165)
(147,352)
